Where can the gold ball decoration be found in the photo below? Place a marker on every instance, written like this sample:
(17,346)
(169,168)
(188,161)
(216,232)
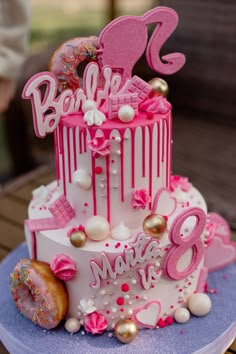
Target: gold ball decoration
(126,331)
(154,225)
(159,87)
(78,239)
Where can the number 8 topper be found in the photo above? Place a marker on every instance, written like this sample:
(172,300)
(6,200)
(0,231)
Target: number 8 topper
(123,41)
(182,244)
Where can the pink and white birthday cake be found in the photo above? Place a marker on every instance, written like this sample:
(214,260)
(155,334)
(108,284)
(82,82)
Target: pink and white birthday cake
(117,242)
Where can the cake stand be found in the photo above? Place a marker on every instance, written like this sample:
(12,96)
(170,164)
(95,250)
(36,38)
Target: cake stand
(212,334)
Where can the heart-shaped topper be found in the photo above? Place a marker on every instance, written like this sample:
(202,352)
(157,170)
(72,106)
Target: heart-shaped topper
(148,315)
(164,203)
(221,227)
(219,254)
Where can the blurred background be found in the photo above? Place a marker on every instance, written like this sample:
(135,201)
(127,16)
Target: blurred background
(202,93)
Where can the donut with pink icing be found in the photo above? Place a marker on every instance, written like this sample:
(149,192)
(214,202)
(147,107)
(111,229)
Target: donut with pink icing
(66,59)
(38,294)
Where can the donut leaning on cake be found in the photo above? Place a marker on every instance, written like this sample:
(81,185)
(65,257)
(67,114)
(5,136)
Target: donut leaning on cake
(38,294)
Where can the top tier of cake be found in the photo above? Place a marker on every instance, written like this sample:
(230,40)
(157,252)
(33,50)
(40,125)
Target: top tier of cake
(113,171)
(113,135)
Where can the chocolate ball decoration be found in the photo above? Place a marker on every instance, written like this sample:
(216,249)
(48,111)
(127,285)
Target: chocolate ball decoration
(154,225)
(78,239)
(159,87)
(126,331)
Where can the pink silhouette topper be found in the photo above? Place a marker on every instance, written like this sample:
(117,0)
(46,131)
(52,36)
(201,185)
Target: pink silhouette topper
(123,41)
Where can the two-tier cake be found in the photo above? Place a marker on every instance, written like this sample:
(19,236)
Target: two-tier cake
(117,241)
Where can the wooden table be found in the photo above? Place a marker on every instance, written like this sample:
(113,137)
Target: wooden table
(14,200)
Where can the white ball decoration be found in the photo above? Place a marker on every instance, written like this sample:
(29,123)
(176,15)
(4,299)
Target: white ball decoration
(72,325)
(97,228)
(88,105)
(126,113)
(82,179)
(182,315)
(199,304)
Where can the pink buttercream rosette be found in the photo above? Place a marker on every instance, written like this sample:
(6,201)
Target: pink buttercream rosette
(63,267)
(99,145)
(95,323)
(158,105)
(179,182)
(140,199)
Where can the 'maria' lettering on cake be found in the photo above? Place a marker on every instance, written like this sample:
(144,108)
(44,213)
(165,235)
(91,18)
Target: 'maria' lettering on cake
(142,250)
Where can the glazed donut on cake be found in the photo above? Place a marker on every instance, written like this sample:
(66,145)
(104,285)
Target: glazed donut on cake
(67,57)
(38,294)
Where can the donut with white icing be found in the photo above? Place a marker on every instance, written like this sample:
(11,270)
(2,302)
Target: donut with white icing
(68,56)
(38,294)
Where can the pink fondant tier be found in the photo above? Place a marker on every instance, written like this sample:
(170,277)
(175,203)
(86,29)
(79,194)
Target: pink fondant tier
(121,279)
(137,156)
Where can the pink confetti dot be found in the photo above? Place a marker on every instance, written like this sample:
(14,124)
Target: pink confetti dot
(85,204)
(182,331)
(107,244)
(120,301)
(98,170)
(125,287)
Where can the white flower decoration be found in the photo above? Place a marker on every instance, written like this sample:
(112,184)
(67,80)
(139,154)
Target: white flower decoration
(87,307)
(94,117)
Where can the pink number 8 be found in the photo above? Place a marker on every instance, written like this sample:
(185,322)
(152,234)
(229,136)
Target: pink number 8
(181,245)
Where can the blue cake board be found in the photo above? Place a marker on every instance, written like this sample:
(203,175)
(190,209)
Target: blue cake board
(212,334)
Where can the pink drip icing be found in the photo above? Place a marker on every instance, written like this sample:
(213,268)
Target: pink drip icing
(85,142)
(108,188)
(167,155)
(150,164)
(122,165)
(34,245)
(74,149)
(163,141)
(169,119)
(92,134)
(63,160)
(56,142)
(132,131)
(80,141)
(143,150)
(158,149)
(68,153)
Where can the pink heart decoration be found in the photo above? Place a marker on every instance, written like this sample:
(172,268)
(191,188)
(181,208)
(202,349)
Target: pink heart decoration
(219,254)
(164,203)
(148,315)
(222,229)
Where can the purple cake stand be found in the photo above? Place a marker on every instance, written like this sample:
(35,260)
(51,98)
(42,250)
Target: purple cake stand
(212,334)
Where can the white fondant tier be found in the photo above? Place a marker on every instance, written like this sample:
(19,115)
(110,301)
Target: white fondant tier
(139,157)
(125,278)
